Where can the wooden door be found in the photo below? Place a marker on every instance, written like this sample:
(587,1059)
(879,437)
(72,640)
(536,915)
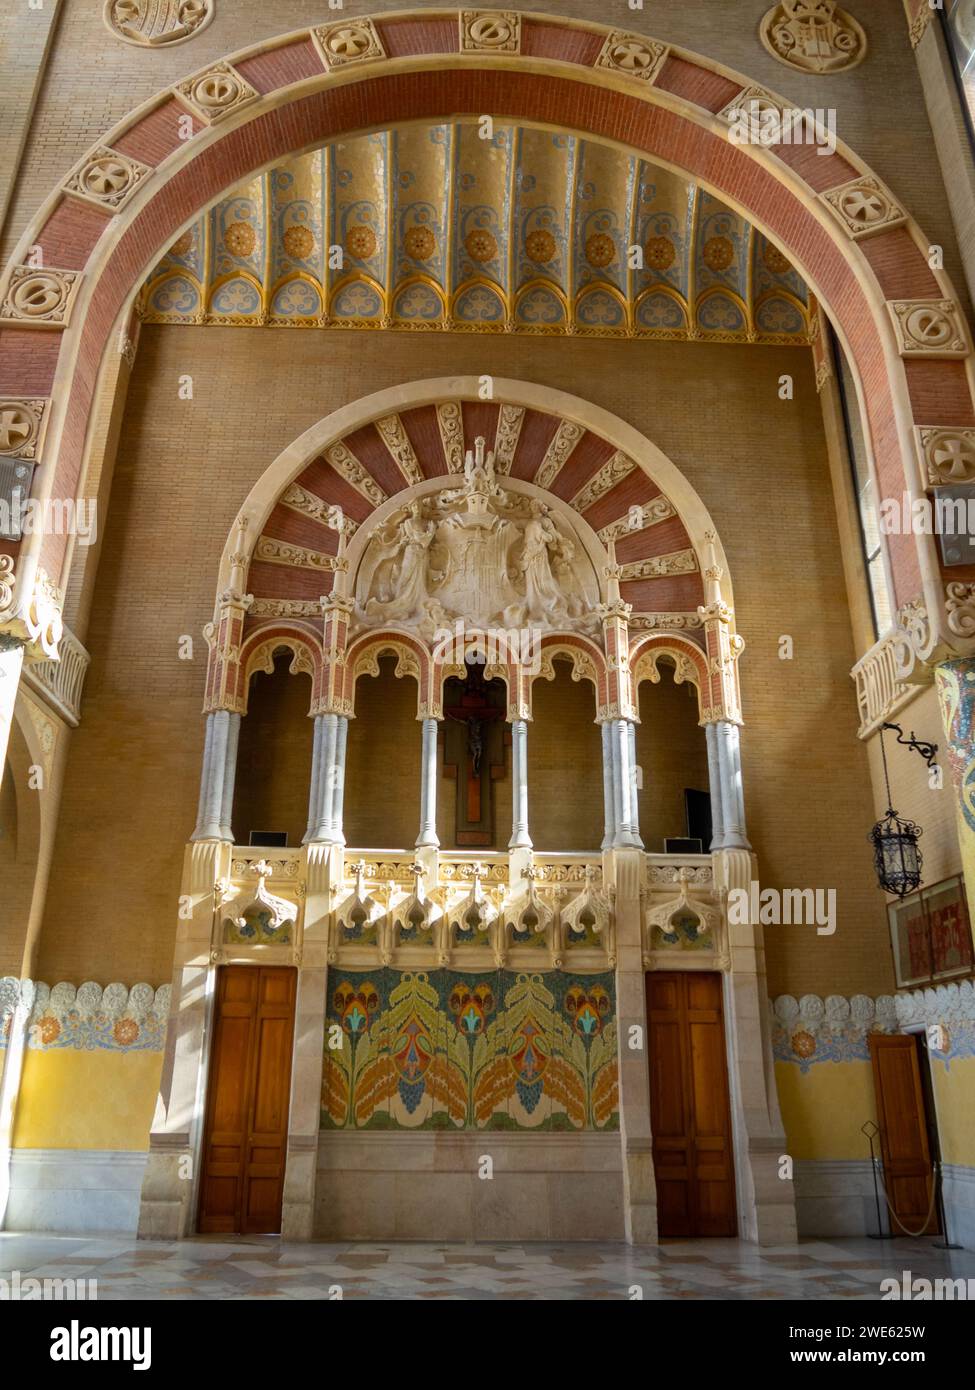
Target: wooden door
(903,1131)
(246,1133)
(690,1112)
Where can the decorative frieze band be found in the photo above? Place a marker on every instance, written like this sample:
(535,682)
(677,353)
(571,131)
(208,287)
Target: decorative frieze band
(116,1018)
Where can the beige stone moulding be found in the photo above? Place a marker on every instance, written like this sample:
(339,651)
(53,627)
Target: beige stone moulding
(157,23)
(813,36)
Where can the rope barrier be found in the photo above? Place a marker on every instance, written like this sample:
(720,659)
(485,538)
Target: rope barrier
(915,1235)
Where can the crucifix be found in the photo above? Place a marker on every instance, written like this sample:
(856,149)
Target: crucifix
(471,743)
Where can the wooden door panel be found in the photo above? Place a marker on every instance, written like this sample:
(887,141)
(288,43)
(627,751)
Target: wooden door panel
(689,1105)
(903,1130)
(245,1142)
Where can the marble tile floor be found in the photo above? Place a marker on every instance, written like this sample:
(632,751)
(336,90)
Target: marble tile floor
(245,1267)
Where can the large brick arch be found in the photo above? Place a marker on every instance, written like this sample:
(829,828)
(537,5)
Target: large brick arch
(563,75)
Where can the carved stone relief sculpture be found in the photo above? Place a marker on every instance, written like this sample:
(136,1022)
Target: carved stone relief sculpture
(813,35)
(480,552)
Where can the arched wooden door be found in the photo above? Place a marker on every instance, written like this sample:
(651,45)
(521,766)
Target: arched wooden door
(690,1110)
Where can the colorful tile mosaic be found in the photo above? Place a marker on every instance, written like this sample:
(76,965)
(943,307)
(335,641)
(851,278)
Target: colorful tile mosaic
(448,1050)
(86,1019)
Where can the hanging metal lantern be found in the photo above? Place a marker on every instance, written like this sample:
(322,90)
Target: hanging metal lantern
(896,856)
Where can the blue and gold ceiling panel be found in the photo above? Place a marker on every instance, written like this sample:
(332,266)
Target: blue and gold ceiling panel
(466,228)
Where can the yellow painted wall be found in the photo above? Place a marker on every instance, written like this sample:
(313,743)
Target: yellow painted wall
(954,1094)
(823,1109)
(86,1100)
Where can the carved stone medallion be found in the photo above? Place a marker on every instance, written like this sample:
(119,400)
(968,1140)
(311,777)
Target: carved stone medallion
(152,23)
(813,35)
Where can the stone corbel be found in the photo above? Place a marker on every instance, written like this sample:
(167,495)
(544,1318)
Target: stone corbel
(471,911)
(687,903)
(232,907)
(590,910)
(524,910)
(358,910)
(414,911)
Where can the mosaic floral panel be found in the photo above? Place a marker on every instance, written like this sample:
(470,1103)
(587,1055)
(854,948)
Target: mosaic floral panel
(448,1050)
(86,1019)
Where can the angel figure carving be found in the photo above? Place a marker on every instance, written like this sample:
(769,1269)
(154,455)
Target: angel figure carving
(401,578)
(544,594)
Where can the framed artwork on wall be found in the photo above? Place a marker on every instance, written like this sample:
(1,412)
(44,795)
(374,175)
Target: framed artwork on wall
(930,935)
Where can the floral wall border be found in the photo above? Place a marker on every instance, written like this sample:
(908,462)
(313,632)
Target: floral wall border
(810,1030)
(87,1018)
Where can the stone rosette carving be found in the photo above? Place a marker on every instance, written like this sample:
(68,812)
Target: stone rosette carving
(929,328)
(864,206)
(490,31)
(632,55)
(348,41)
(154,23)
(216,93)
(39,298)
(813,36)
(106,178)
(22,425)
(946,454)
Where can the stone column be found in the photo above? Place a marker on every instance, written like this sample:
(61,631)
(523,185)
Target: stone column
(634,826)
(427,837)
(520,838)
(609,812)
(714,781)
(219,774)
(338,789)
(728,751)
(624,785)
(956,695)
(316,770)
(327,780)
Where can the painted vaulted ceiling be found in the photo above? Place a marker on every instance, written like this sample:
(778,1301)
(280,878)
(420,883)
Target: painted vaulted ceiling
(432,227)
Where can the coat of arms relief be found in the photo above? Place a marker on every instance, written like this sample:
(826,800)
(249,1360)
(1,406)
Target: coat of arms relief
(482,552)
